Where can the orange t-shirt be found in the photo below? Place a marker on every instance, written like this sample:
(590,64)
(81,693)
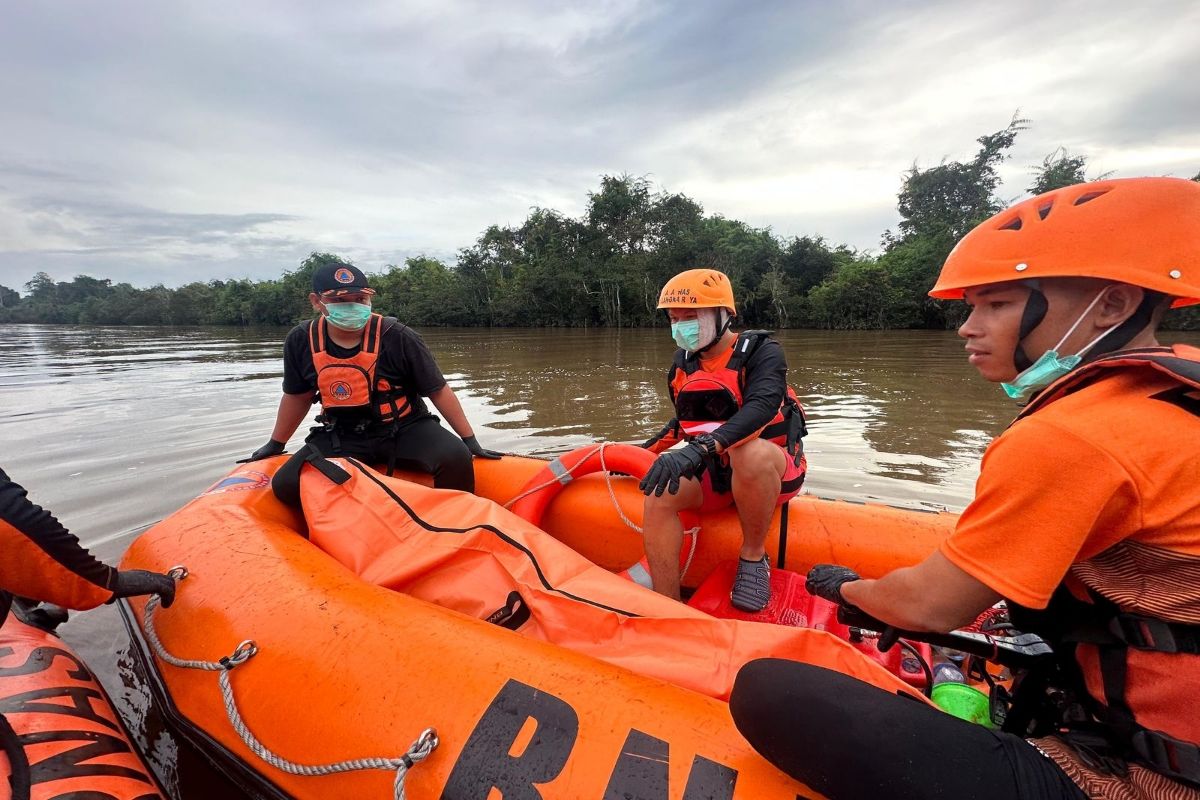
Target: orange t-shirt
(1101,488)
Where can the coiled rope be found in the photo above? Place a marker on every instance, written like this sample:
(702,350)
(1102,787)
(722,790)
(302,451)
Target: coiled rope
(417,752)
(612,495)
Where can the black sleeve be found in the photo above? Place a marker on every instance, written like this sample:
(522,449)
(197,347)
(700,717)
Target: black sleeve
(766,386)
(58,568)
(299,374)
(424,376)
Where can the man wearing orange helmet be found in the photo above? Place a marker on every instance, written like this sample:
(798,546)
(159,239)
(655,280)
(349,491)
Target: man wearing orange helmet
(1086,520)
(742,424)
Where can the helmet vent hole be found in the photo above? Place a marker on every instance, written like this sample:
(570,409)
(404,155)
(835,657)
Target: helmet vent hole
(1085,198)
(1044,209)
(1013,224)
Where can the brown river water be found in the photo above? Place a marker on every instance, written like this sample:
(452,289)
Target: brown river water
(115,428)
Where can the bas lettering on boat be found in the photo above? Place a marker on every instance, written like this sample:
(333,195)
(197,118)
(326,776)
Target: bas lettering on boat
(640,770)
(84,703)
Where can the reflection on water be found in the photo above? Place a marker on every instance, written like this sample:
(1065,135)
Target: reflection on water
(896,417)
(113,428)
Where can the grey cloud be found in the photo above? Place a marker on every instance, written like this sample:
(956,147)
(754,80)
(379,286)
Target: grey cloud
(396,129)
(139,228)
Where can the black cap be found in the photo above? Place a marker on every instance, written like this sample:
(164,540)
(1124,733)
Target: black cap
(338,278)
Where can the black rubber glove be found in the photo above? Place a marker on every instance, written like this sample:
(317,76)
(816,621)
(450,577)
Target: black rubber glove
(137,582)
(477,450)
(825,581)
(669,467)
(271,448)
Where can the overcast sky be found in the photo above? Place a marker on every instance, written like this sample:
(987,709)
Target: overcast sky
(158,141)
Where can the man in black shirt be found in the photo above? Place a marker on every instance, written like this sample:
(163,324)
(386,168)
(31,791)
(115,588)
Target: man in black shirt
(371,375)
(742,424)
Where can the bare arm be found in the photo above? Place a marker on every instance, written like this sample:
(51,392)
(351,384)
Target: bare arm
(446,402)
(934,595)
(293,408)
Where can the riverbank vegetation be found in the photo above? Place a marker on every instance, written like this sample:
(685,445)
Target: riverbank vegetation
(605,268)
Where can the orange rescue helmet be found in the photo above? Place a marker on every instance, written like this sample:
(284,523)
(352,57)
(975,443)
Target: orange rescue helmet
(698,288)
(1140,231)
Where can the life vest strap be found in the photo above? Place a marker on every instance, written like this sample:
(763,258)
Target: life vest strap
(1148,633)
(1169,756)
(747,342)
(1070,621)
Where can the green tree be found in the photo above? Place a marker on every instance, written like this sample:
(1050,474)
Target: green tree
(8,298)
(858,295)
(1059,169)
(950,199)
(938,207)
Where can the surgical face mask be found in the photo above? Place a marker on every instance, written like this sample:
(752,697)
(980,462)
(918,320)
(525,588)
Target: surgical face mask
(1051,366)
(348,316)
(696,334)
(687,334)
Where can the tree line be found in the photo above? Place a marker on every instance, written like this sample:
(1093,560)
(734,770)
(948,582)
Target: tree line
(605,268)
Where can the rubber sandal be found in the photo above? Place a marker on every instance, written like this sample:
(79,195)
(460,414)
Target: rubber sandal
(752,585)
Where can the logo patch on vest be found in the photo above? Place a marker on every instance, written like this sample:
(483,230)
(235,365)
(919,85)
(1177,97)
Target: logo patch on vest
(341,391)
(343,275)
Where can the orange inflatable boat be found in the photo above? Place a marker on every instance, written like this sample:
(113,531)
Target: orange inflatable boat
(59,733)
(570,498)
(372,635)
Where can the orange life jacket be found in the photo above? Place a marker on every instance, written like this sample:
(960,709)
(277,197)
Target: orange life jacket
(1099,622)
(705,399)
(345,383)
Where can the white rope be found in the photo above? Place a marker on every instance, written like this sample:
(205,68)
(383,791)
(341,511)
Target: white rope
(555,478)
(694,533)
(418,751)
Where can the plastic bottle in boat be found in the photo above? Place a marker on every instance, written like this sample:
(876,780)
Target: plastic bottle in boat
(952,695)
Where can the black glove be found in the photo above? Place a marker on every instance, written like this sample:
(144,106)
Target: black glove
(672,465)
(825,581)
(477,450)
(136,582)
(271,448)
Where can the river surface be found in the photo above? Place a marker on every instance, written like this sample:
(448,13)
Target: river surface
(114,428)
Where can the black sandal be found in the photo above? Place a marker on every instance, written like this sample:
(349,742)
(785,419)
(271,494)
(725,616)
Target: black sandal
(752,585)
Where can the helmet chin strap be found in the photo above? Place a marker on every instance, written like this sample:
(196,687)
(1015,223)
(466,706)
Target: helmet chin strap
(724,320)
(1035,312)
(1121,335)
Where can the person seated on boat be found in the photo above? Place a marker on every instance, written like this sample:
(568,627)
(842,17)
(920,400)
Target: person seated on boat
(742,425)
(43,561)
(1086,520)
(370,373)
